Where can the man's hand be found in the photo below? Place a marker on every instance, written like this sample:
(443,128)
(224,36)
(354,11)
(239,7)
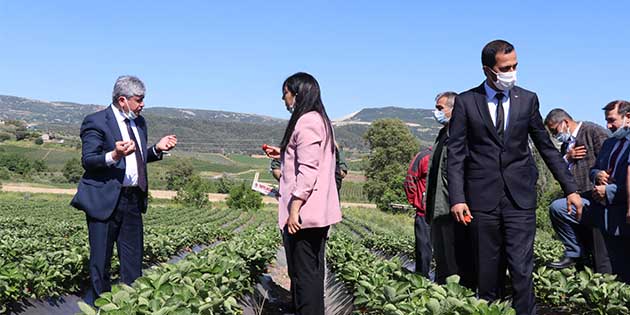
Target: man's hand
(574,200)
(122,149)
(166,143)
(460,211)
(293,222)
(602,178)
(599,193)
(576,153)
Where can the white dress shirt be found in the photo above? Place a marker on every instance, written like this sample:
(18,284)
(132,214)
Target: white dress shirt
(491,97)
(131,167)
(572,144)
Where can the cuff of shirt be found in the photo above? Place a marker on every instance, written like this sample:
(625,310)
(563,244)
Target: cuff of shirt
(109,159)
(155,151)
(565,159)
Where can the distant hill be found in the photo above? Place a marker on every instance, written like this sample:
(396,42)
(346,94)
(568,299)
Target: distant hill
(213,131)
(408,115)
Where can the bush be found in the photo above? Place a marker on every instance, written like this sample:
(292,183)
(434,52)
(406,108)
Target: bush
(178,175)
(16,163)
(72,170)
(39,141)
(4,136)
(225,185)
(5,174)
(243,198)
(193,193)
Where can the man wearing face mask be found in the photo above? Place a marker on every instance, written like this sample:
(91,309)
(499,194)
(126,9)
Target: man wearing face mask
(581,143)
(452,246)
(114,188)
(610,194)
(492,174)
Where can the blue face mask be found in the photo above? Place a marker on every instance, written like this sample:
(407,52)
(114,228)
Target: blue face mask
(130,114)
(623,131)
(440,117)
(563,136)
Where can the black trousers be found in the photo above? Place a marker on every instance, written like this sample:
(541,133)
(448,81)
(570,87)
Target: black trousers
(618,250)
(424,252)
(506,235)
(305,251)
(125,228)
(453,251)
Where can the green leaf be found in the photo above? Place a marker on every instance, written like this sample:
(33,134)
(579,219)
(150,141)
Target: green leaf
(86,309)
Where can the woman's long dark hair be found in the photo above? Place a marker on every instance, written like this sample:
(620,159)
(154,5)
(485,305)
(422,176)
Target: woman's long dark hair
(308,98)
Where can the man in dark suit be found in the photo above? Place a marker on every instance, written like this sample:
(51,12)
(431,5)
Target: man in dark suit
(492,172)
(113,189)
(580,144)
(610,195)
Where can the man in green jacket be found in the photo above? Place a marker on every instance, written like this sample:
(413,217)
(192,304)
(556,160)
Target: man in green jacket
(452,246)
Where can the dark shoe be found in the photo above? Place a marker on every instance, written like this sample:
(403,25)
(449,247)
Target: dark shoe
(565,262)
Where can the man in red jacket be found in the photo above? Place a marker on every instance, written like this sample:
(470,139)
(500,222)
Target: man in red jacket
(415,188)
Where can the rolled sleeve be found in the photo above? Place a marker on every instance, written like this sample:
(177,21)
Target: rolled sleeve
(309,135)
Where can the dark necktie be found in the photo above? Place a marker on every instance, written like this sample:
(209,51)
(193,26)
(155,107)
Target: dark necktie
(500,117)
(613,158)
(142,172)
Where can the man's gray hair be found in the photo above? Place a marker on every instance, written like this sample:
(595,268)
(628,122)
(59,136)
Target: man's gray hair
(557,115)
(450,98)
(127,86)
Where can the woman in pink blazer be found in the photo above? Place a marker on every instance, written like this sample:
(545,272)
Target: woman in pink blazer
(308,202)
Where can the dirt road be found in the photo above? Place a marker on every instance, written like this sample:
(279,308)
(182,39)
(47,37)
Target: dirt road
(158,194)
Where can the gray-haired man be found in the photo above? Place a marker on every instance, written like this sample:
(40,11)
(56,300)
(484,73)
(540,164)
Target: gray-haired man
(113,190)
(451,241)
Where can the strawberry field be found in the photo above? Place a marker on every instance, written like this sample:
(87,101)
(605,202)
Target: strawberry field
(44,254)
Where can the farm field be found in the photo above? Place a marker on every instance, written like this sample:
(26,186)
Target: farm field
(210,166)
(44,254)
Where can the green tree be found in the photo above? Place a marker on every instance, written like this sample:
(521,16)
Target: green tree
(194,192)
(179,174)
(39,141)
(243,198)
(73,170)
(392,146)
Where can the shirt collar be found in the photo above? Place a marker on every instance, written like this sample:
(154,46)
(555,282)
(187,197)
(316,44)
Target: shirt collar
(117,113)
(491,93)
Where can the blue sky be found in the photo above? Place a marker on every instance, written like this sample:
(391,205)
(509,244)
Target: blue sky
(234,55)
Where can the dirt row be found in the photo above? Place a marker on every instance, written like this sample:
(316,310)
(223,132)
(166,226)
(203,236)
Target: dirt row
(158,194)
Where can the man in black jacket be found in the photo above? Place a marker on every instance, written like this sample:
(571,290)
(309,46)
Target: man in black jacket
(492,172)
(581,143)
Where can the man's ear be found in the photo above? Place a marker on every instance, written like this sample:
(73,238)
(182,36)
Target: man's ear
(120,100)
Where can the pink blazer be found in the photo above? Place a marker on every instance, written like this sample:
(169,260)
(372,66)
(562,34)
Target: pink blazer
(308,173)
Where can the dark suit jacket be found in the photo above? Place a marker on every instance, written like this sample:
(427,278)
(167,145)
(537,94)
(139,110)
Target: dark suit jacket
(591,136)
(481,167)
(100,186)
(616,192)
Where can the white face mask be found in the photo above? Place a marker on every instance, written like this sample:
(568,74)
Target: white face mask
(291,107)
(505,80)
(129,114)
